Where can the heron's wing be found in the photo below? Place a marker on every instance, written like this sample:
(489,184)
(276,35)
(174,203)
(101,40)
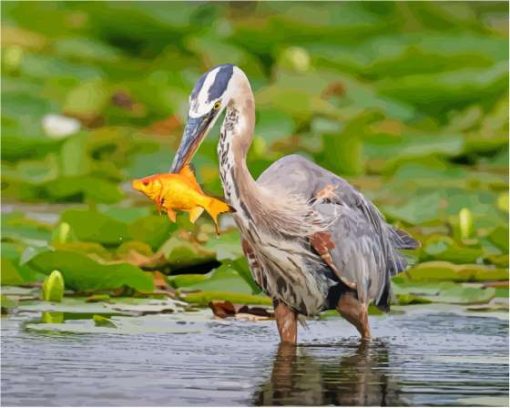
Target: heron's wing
(298,175)
(356,254)
(365,246)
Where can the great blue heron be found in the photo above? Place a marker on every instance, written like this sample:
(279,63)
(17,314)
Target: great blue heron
(312,241)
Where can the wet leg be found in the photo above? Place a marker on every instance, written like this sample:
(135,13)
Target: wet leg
(355,312)
(286,320)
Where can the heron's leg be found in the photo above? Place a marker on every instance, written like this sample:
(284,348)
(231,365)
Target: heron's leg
(355,312)
(286,320)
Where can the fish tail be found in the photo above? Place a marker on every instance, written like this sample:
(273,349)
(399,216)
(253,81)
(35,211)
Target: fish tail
(215,207)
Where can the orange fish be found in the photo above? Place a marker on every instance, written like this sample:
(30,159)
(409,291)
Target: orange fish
(182,192)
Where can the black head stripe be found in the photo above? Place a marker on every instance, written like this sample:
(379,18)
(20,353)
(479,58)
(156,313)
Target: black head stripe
(198,86)
(220,82)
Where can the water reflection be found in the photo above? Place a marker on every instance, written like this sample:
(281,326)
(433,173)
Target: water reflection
(356,378)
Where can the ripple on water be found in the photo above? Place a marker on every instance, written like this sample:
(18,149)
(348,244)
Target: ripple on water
(416,359)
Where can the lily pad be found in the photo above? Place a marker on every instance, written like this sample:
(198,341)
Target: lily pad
(224,278)
(446,271)
(102,321)
(7,303)
(110,306)
(446,249)
(226,246)
(202,298)
(95,227)
(190,322)
(84,274)
(443,292)
(181,253)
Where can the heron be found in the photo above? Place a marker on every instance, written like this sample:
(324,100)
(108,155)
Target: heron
(312,241)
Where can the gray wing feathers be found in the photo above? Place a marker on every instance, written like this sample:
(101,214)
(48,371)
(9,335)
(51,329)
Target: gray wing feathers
(356,254)
(366,246)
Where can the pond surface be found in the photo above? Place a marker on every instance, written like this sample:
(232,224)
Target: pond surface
(423,357)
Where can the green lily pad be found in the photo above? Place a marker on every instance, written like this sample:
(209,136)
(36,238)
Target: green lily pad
(7,303)
(83,187)
(202,298)
(153,230)
(410,299)
(183,281)
(19,228)
(13,270)
(161,324)
(446,249)
(226,246)
(181,253)
(102,321)
(446,271)
(109,306)
(52,317)
(499,236)
(224,278)
(10,275)
(95,227)
(91,249)
(87,99)
(441,292)
(84,274)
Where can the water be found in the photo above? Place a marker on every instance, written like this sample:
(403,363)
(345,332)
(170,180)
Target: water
(423,357)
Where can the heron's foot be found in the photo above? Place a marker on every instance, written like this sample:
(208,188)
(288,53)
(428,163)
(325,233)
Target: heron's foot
(286,320)
(355,312)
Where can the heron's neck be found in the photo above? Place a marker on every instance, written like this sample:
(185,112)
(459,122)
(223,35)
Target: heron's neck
(236,135)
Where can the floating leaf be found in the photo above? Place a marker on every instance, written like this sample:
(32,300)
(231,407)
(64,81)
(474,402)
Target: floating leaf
(95,227)
(203,298)
(181,253)
(499,236)
(226,246)
(102,321)
(52,317)
(83,274)
(161,324)
(224,278)
(444,292)
(446,249)
(446,271)
(10,275)
(7,303)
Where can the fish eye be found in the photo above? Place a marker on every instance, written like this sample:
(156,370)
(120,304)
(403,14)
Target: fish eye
(217,105)
(145,183)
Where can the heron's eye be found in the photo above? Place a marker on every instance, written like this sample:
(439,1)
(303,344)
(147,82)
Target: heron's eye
(217,105)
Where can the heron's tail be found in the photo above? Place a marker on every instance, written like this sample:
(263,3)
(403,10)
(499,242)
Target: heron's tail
(215,207)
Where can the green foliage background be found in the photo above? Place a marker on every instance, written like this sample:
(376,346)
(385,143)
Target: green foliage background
(407,100)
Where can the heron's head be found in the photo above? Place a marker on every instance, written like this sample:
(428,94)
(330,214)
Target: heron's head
(211,94)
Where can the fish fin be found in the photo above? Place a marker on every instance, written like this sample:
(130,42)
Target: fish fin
(188,172)
(195,213)
(215,207)
(171,215)
(159,204)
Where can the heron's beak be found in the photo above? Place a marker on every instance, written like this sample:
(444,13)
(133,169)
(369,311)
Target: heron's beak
(195,131)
